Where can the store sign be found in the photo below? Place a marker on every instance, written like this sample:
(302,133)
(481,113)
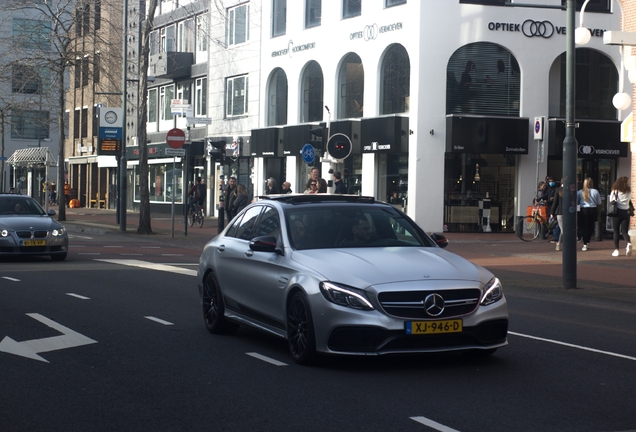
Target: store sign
(531,28)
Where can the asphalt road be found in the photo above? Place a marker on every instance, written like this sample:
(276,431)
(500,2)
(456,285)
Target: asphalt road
(140,358)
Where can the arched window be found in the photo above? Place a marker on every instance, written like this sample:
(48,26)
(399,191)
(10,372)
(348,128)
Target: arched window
(483,78)
(351,87)
(312,93)
(396,74)
(277,99)
(596,85)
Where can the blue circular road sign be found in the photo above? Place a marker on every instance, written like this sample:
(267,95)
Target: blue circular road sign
(308,153)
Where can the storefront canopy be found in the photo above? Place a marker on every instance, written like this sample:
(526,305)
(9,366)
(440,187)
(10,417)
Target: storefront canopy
(32,156)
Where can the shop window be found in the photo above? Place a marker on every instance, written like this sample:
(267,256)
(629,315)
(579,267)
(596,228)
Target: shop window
(351,8)
(277,97)
(351,87)
(312,93)
(313,13)
(238,25)
(236,94)
(396,75)
(483,78)
(279,17)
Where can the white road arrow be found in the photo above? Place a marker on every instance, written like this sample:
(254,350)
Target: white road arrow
(31,348)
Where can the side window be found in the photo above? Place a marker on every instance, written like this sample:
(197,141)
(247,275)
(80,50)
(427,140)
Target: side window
(234,228)
(246,227)
(270,224)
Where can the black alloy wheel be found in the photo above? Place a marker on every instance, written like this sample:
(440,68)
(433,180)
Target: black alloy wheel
(191,217)
(301,338)
(214,309)
(200,218)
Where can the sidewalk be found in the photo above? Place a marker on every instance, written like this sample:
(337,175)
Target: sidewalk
(495,251)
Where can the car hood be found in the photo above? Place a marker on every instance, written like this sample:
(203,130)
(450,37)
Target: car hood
(22,222)
(372,266)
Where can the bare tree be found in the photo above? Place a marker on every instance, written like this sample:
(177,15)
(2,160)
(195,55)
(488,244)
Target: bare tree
(144,190)
(50,35)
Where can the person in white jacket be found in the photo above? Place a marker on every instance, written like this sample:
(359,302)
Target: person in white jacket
(622,193)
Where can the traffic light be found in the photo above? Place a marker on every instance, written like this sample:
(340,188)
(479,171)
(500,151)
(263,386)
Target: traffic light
(339,146)
(216,149)
(318,135)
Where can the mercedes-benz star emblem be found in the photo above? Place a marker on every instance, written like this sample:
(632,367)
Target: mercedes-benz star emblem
(434,304)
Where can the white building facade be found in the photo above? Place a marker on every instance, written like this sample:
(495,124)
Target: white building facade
(439,99)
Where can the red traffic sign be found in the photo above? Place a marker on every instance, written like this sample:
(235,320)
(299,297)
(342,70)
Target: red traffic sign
(175,138)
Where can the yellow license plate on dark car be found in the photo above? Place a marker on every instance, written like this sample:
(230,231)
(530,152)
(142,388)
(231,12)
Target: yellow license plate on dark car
(34,243)
(433,327)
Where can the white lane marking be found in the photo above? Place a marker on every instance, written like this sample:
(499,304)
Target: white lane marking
(151,266)
(266,359)
(131,254)
(81,297)
(89,253)
(31,348)
(113,246)
(79,236)
(609,353)
(160,321)
(151,247)
(171,254)
(11,279)
(433,424)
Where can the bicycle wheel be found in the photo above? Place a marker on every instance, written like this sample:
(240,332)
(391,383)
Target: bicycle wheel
(191,217)
(529,228)
(200,219)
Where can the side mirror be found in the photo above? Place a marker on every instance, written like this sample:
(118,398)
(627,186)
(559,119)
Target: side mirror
(264,244)
(440,239)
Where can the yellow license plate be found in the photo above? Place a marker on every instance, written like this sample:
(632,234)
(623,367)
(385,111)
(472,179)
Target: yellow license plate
(34,243)
(433,327)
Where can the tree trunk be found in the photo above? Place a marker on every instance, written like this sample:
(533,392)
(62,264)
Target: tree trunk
(144,190)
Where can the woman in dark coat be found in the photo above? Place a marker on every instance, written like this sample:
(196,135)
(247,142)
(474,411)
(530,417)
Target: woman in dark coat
(242,200)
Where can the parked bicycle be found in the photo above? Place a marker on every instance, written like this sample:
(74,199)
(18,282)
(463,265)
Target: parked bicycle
(196,215)
(530,226)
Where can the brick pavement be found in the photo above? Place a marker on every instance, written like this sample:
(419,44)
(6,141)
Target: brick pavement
(495,251)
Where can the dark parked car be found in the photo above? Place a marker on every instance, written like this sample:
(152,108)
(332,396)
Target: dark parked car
(347,275)
(26,229)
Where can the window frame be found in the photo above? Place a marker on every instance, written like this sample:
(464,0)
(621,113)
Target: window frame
(279,18)
(201,98)
(234,25)
(30,124)
(347,7)
(230,100)
(311,19)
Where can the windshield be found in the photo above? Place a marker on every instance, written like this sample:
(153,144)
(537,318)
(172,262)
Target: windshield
(22,206)
(344,226)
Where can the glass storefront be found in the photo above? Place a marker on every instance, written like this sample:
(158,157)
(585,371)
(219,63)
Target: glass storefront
(160,181)
(471,178)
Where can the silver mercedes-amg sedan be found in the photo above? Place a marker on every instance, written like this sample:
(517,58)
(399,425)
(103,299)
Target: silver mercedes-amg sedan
(347,275)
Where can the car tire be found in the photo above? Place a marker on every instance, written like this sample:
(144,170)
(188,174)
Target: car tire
(214,308)
(301,338)
(58,257)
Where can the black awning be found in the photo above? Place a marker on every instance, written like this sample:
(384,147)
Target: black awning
(595,138)
(266,142)
(487,135)
(385,134)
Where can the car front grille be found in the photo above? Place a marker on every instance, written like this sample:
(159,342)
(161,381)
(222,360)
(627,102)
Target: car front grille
(410,304)
(26,234)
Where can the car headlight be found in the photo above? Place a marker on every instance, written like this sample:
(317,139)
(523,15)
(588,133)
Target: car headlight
(4,233)
(492,292)
(345,296)
(59,232)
